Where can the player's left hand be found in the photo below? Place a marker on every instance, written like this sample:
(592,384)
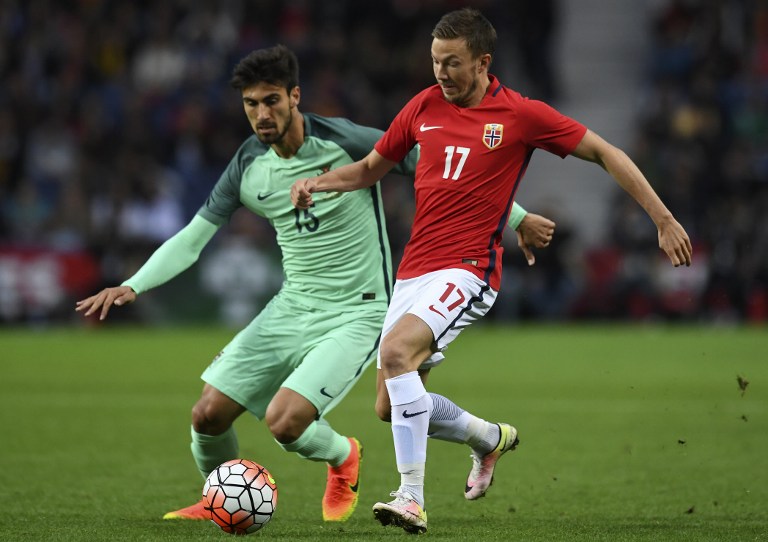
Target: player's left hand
(534,231)
(675,242)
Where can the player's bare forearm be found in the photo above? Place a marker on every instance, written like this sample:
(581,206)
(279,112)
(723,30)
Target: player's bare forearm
(343,179)
(360,174)
(119,295)
(672,237)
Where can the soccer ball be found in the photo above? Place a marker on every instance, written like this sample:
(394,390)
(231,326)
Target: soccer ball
(241,496)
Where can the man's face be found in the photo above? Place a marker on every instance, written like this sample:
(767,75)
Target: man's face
(269,109)
(457,72)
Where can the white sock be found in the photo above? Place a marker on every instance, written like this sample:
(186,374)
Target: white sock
(451,423)
(482,436)
(411,410)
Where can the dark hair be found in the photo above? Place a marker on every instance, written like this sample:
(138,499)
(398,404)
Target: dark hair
(275,65)
(470,24)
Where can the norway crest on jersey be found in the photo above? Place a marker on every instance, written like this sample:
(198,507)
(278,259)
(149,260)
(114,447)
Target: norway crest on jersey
(492,135)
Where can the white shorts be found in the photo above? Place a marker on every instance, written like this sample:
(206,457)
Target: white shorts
(447,301)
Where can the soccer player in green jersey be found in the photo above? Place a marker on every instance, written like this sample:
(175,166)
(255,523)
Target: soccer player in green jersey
(336,261)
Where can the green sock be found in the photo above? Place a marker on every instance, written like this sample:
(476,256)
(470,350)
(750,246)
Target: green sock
(210,451)
(319,442)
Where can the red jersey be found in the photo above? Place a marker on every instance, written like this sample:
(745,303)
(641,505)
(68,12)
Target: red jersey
(471,163)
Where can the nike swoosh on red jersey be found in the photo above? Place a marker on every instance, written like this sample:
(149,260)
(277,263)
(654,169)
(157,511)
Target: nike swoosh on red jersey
(424,127)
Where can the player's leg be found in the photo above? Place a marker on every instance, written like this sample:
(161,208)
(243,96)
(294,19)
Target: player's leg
(425,315)
(488,441)
(293,421)
(213,438)
(343,345)
(213,441)
(451,423)
(239,378)
(383,406)
(406,345)
(448,421)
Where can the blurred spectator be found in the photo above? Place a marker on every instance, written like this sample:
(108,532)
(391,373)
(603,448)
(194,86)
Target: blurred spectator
(70,226)
(533,27)
(26,213)
(116,119)
(703,135)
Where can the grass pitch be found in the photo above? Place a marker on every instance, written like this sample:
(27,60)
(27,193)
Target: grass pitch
(627,433)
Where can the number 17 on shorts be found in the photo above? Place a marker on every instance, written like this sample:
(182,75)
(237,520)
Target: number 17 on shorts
(447,301)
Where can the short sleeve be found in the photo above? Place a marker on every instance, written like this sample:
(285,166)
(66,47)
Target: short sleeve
(548,129)
(399,139)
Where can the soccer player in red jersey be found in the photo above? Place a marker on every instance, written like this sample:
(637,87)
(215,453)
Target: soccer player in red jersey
(476,138)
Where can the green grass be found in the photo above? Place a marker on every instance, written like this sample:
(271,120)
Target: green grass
(627,433)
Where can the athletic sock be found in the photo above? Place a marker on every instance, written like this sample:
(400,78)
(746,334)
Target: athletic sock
(448,421)
(319,442)
(210,451)
(452,423)
(483,436)
(411,410)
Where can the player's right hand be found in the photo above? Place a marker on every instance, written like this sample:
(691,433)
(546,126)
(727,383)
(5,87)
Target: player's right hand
(301,193)
(534,231)
(119,295)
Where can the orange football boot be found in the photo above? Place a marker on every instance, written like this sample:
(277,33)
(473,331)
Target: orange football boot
(341,488)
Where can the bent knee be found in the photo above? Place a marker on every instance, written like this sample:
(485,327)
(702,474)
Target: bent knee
(286,431)
(286,427)
(398,357)
(209,420)
(394,358)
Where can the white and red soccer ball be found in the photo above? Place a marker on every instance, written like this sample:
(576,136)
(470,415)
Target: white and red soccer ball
(241,496)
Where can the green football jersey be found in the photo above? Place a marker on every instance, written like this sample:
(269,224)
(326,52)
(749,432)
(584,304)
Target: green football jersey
(335,253)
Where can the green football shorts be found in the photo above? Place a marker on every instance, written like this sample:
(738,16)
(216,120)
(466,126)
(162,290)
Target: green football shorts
(317,353)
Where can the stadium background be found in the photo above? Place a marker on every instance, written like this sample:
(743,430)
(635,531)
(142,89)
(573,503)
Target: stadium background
(116,118)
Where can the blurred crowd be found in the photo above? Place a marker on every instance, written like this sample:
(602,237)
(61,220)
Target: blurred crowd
(702,140)
(116,119)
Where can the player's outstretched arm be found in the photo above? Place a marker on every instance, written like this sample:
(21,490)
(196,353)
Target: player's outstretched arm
(172,257)
(360,174)
(534,231)
(118,295)
(672,237)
